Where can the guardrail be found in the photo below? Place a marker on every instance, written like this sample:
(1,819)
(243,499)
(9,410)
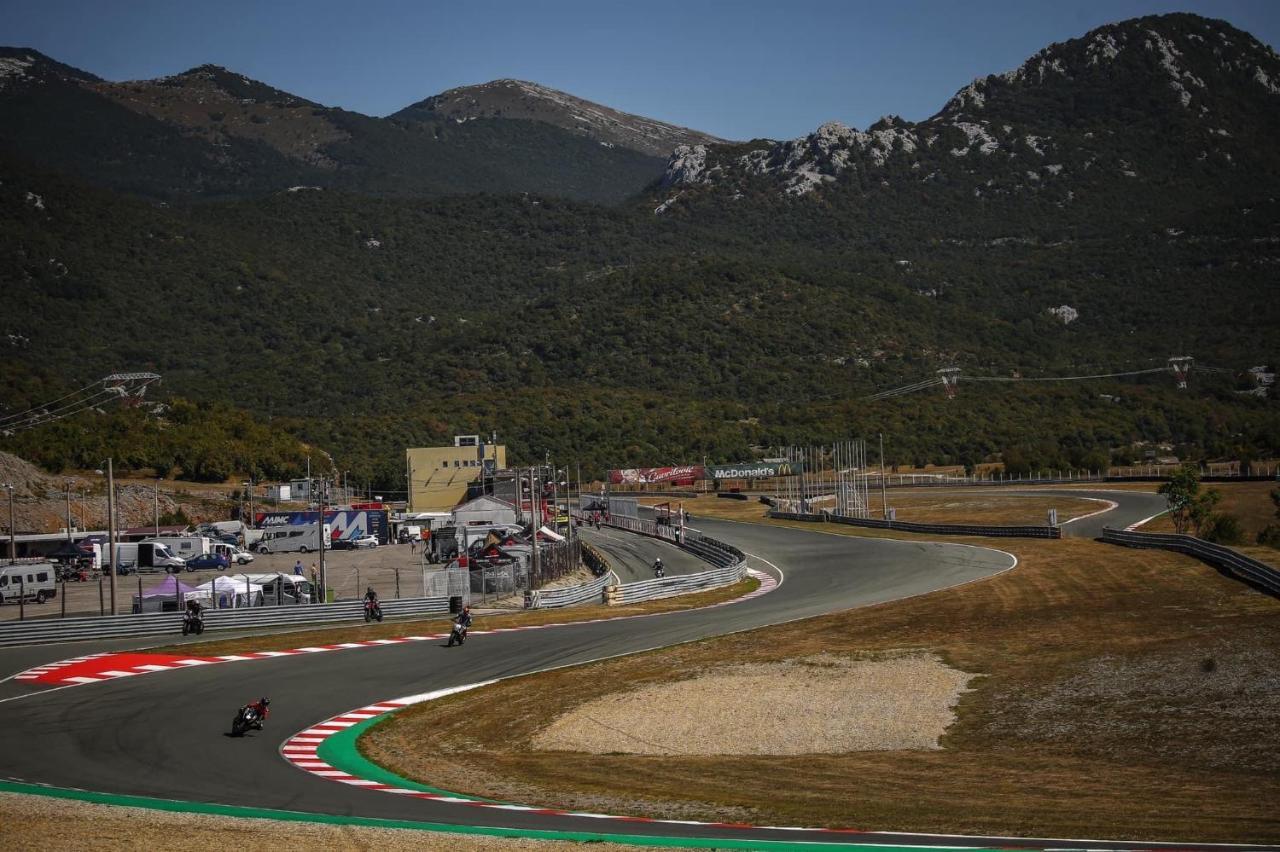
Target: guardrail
(667,587)
(567,596)
(1250,570)
(936,529)
(158,623)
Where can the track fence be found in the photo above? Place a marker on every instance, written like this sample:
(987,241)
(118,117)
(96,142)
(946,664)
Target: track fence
(936,529)
(1250,570)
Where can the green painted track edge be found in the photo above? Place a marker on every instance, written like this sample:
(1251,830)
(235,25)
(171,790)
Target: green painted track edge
(340,751)
(213,809)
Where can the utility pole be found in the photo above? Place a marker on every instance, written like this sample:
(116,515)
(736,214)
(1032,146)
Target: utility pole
(157,496)
(13,537)
(111,530)
(534,499)
(324,582)
(884,493)
(68,510)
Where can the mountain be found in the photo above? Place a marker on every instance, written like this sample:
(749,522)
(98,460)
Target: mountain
(517,99)
(1055,221)
(1129,108)
(209,133)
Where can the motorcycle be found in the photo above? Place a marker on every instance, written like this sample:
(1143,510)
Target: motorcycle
(658,571)
(247,718)
(192,622)
(372,611)
(458,634)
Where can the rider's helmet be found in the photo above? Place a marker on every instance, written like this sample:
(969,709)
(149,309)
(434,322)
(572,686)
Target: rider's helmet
(467,608)
(265,701)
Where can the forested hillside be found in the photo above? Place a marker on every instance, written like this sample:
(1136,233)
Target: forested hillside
(718,313)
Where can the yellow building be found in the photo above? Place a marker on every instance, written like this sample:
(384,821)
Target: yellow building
(438,476)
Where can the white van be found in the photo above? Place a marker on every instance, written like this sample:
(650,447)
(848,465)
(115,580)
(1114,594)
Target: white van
(35,581)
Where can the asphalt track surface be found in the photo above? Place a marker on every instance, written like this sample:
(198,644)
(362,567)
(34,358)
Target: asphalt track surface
(163,735)
(631,556)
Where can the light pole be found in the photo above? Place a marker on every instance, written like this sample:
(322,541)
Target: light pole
(324,584)
(157,496)
(884,495)
(68,510)
(13,537)
(111,531)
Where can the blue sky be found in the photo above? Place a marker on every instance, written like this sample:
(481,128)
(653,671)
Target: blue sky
(736,69)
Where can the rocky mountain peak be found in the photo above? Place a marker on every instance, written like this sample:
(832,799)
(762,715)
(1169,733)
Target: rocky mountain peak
(520,99)
(23,66)
(1095,104)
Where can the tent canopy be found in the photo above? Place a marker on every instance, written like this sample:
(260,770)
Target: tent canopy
(167,588)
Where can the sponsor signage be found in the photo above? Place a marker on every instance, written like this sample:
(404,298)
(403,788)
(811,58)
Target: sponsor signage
(342,523)
(754,470)
(684,475)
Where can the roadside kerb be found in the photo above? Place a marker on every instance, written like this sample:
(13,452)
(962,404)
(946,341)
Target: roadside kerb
(1250,570)
(159,623)
(936,529)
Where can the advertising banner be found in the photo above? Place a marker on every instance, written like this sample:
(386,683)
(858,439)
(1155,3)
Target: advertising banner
(685,475)
(754,470)
(342,523)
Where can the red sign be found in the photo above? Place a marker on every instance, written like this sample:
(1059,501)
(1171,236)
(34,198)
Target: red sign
(685,475)
(367,507)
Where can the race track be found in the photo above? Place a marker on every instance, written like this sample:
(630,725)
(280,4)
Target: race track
(163,735)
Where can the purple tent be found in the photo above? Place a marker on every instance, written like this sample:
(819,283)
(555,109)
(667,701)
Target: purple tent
(167,588)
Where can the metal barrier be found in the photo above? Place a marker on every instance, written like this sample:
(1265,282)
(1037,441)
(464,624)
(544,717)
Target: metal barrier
(1250,570)
(666,587)
(937,529)
(567,596)
(158,623)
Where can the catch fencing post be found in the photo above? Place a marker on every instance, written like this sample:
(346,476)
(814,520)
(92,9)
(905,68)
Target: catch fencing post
(63,593)
(140,591)
(398,582)
(22,599)
(102,607)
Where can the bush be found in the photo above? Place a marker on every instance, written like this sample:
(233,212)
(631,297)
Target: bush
(1222,528)
(1270,536)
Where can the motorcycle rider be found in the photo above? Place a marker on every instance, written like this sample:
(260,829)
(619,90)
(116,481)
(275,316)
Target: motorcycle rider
(657,568)
(260,707)
(194,609)
(370,596)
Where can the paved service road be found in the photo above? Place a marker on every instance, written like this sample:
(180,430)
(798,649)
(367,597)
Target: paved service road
(162,735)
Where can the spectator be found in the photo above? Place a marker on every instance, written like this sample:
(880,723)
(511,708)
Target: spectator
(297,568)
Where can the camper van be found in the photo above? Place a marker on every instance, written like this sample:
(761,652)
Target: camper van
(185,546)
(36,581)
(291,538)
(146,557)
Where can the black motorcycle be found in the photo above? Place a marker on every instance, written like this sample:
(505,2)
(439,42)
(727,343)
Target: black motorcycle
(372,611)
(192,622)
(458,634)
(245,720)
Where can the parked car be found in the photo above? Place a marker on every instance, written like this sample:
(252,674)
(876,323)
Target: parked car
(342,544)
(363,541)
(207,560)
(243,557)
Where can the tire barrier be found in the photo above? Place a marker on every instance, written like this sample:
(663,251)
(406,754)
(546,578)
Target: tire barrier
(159,623)
(1252,571)
(731,495)
(936,529)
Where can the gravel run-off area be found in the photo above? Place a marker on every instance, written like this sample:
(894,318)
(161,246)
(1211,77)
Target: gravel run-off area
(819,704)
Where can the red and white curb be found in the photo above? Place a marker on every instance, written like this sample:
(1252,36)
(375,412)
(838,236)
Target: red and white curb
(94,668)
(49,668)
(302,748)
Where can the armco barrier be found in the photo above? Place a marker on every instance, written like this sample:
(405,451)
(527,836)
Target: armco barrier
(1250,570)
(567,596)
(936,529)
(159,623)
(666,587)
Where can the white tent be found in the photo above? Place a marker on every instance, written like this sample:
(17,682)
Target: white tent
(228,592)
(547,534)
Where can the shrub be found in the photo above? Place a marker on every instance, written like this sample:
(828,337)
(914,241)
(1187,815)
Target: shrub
(1270,536)
(1222,528)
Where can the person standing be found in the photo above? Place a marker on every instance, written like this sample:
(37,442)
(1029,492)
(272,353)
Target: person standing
(297,568)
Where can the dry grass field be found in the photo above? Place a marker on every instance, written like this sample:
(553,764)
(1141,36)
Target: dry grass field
(1119,693)
(1248,501)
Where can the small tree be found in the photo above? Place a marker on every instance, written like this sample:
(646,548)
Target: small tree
(1189,507)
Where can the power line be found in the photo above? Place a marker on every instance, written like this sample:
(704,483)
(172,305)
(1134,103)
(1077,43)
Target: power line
(126,386)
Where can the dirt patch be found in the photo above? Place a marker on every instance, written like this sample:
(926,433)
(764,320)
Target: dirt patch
(822,704)
(42,823)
